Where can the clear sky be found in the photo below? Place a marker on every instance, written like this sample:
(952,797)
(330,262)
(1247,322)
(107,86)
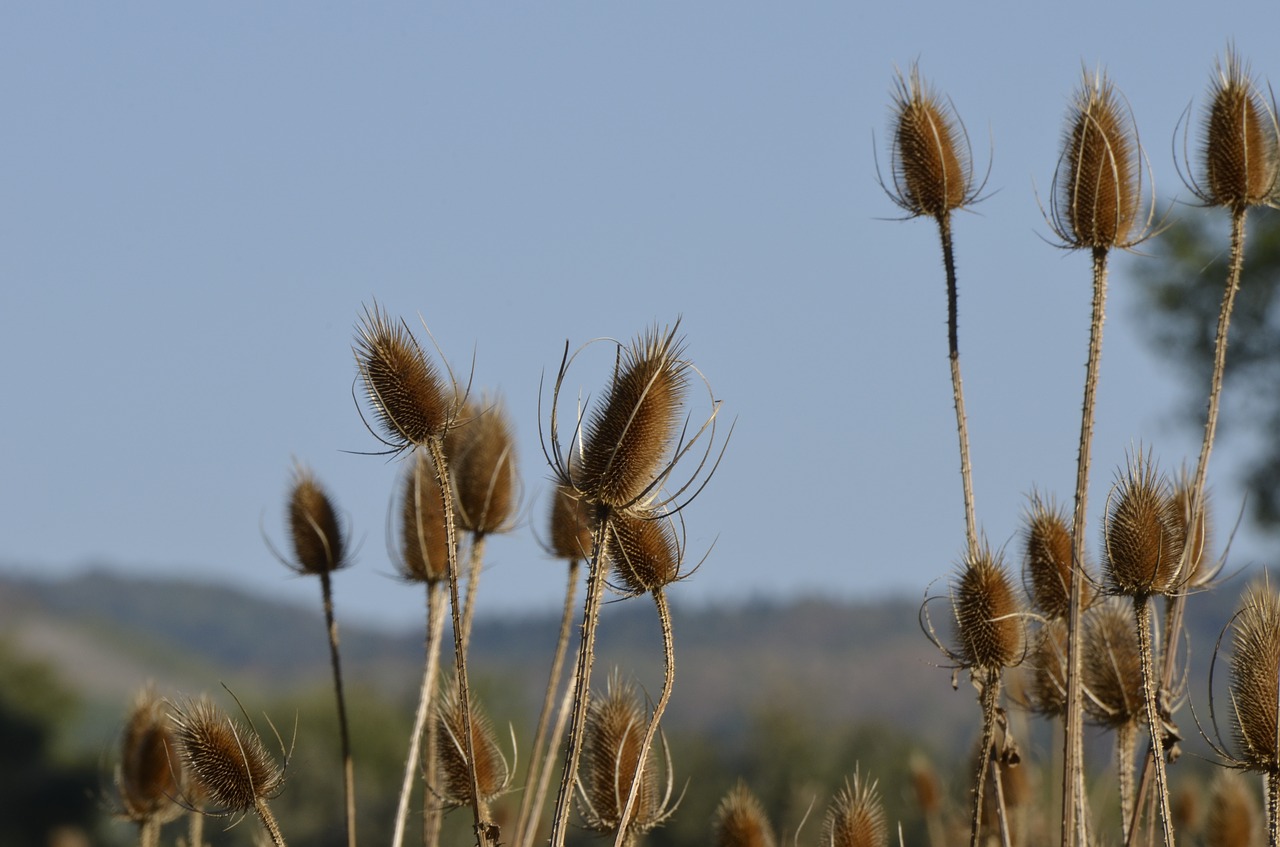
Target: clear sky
(197,199)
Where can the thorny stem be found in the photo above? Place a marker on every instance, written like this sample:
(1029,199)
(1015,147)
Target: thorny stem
(669,662)
(957,388)
(537,759)
(990,696)
(1125,745)
(435,632)
(473,580)
(348,769)
(1073,797)
(269,822)
(557,735)
(1142,613)
(482,824)
(1002,811)
(596,571)
(1273,808)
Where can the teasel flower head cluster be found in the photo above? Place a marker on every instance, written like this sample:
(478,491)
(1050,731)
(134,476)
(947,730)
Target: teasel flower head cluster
(1112,665)
(1143,533)
(1254,679)
(318,538)
(424,545)
(1047,558)
(482,459)
(740,820)
(149,777)
(855,817)
(225,759)
(571,526)
(646,552)
(990,622)
(493,773)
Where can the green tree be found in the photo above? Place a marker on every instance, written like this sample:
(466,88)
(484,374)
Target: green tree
(1182,287)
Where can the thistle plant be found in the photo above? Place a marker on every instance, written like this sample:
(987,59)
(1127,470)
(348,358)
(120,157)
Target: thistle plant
(456,766)
(855,817)
(148,781)
(740,821)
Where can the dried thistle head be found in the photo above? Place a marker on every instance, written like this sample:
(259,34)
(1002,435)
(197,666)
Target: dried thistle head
(149,774)
(1234,819)
(990,624)
(1198,570)
(482,459)
(1112,665)
(493,774)
(644,551)
(224,759)
(424,543)
(924,784)
(1047,558)
(1142,535)
(931,160)
(404,388)
(1239,159)
(855,817)
(1255,679)
(1047,693)
(319,545)
(740,820)
(630,435)
(1097,188)
(615,730)
(571,524)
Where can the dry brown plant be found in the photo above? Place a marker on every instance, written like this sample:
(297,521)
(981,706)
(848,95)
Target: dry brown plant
(740,820)
(149,780)
(855,817)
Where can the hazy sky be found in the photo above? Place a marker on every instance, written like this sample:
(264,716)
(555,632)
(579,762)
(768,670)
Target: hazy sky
(197,200)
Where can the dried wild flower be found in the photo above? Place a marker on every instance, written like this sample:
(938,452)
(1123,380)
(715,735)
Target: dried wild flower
(990,626)
(424,545)
(571,525)
(318,542)
(1255,679)
(225,759)
(855,817)
(1112,665)
(148,776)
(1047,693)
(1234,819)
(644,551)
(1198,570)
(932,169)
(740,820)
(493,774)
(482,458)
(1142,536)
(1047,558)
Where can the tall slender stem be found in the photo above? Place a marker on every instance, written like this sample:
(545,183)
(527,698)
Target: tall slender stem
(473,582)
(1273,809)
(957,387)
(1125,746)
(435,632)
(1142,613)
(990,695)
(269,822)
(348,768)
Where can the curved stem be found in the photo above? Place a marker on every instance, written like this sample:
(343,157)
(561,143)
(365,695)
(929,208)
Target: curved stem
(473,580)
(348,768)
(957,388)
(596,571)
(435,632)
(1142,612)
(537,758)
(669,660)
(990,697)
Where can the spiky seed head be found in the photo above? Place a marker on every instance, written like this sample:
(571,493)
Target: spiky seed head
(149,774)
(629,436)
(482,459)
(614,731)
(1097,196)
(571,524)
(403,387)
(423,537)
(1234,819)
(318,542)
(1238,141)
(644,551)
(924,784)
(1112,665)
(855,817)
(225,759)
(1142,536)
(990,625)
(1047,693)
(1255,679)
(932,168)
(1047,558)
(1198,570)
(740,820)
(492,771)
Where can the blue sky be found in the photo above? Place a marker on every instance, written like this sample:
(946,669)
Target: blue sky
(200,198)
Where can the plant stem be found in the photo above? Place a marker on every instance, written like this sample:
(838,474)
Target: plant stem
(348,768)
(1273,808)
(1142,613)
(269,822)
(1125,746)
(957,388)
(473,580)
(557,735)
(537,758)
(435,633)
(149,833)
(990,696)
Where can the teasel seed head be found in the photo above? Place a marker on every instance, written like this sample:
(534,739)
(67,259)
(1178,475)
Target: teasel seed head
(615,729)
(1239,156)
(1112,665)
(644,551)
(1142,536)
(1047,693)
(931,162)
(493,774)
(404,388)
(740,820)
(149,775)
(225,759)
(855,817)
(1097,188)
(482,459)
(571,524)
(1047,558)
(990,623)
(319,544)
(1234,819)
(630,435)
(1255,679)
(424,544)
(1199,571)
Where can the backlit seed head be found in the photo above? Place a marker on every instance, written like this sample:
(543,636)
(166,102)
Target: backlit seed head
(571,525)
(225,759)
(990,624)
(644,551)
(1255,679)
(1142,537)
(482,460)
(403,387)
(1047,692)
(1097,187)
(318,542)
(629,437)
(492,772)
(740,820)
(855,817)
(1234,819)
(931,162)
(424,543)
(1238,141)
(149,774)
(1047,558)
(1199,570)
(1112,665)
